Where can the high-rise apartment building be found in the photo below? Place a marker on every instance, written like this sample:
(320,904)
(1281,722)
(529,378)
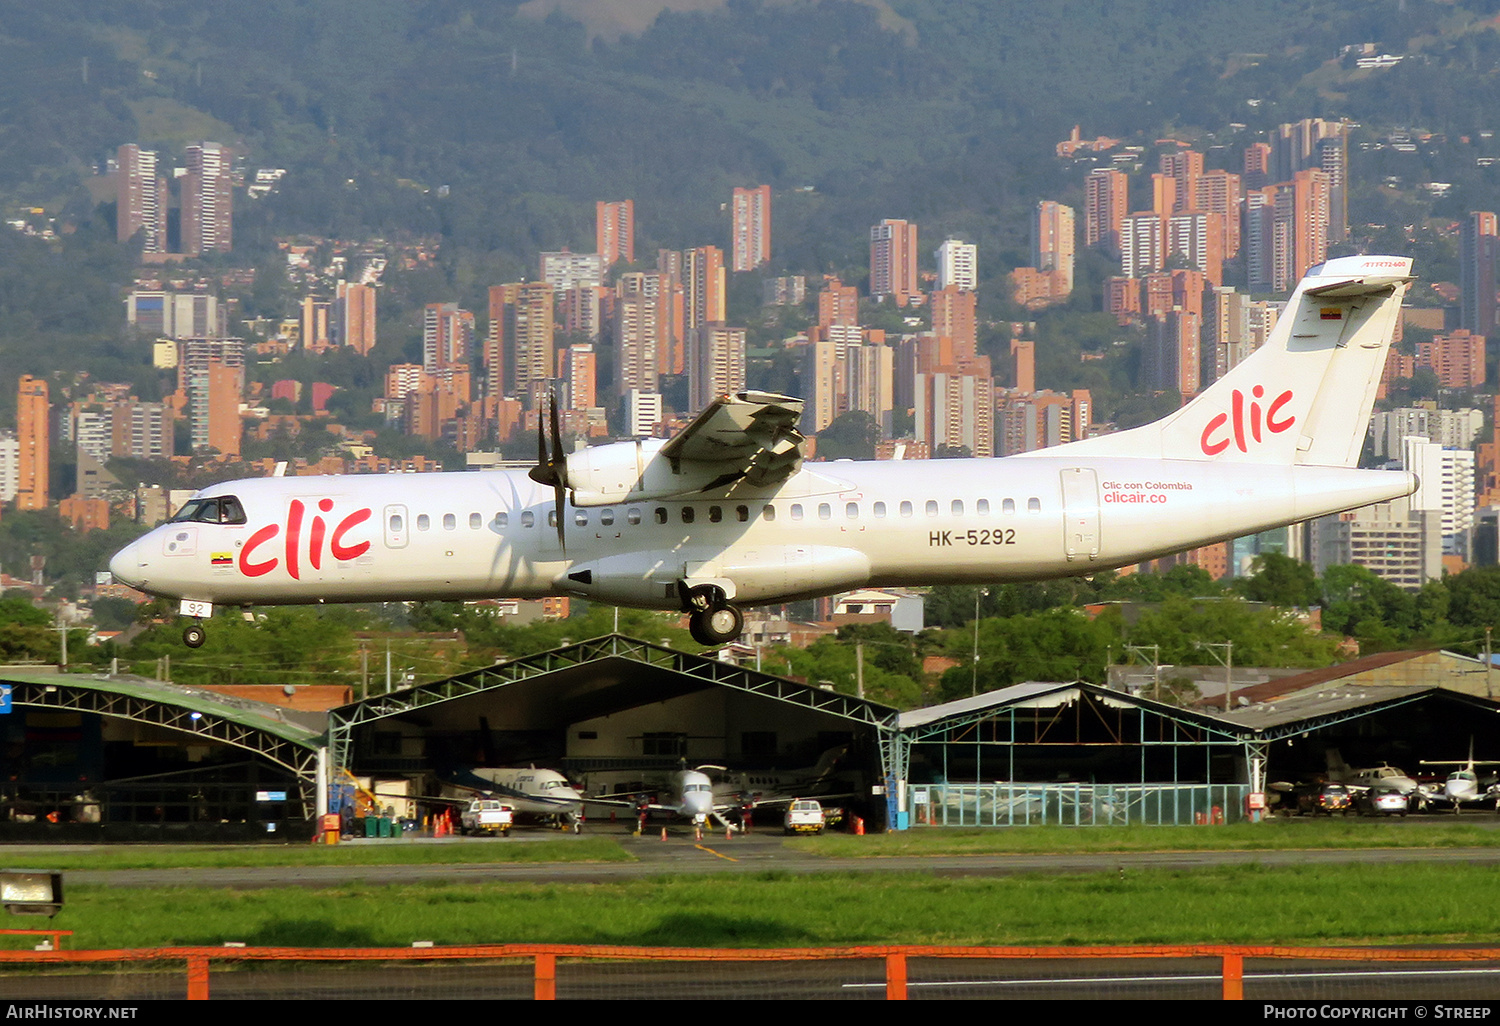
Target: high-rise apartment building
(838,304)
(1479,246)
(1457,358)
(447,336)
(207,200)
(1198,238)
(141,199)
(958,265)
(519,350)
(716,363)
(954,315)
(33,409)
(356,316)
(704,287)
(1106,200)
(564,270)
(1184,168)
(317,324)
(1218,192)
(893,261)
(637,337)
(10,465)
(211,380)
(174,314)
(1142,244)
(1052,239)
(614,231)
(750,228)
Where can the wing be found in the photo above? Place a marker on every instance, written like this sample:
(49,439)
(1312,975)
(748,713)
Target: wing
(749,435)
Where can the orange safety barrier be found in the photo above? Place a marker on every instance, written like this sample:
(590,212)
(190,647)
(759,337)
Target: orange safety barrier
(198,961)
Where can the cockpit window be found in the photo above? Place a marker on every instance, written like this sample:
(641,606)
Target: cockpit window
(221,509)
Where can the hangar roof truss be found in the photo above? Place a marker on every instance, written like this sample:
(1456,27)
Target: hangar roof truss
(212,718)
(700,671)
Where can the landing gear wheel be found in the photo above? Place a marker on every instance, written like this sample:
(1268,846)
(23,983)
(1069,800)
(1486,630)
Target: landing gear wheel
(717,625)
(193,635)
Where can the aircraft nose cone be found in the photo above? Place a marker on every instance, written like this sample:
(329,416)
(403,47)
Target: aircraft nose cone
(125,565)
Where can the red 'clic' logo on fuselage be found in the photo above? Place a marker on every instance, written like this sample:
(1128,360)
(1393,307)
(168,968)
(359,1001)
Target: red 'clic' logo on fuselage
(1239,423)
(292,551)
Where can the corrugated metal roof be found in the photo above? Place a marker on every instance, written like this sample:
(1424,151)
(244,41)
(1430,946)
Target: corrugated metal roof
(273,719)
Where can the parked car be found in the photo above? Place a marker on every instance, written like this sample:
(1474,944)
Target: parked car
(1326,798)
(1382,800)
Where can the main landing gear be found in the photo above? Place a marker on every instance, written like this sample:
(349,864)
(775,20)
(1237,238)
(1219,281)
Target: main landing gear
(713,620)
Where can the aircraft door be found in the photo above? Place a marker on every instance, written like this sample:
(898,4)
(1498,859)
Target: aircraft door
(396,526)
(1080,492)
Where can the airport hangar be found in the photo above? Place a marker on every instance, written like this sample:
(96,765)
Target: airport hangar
(133,759)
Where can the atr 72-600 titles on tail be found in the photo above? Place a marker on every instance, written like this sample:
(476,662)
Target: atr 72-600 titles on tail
(726,514)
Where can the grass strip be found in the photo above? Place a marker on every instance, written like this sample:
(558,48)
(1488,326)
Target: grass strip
(395,853)
(1277,835)
(1410,903)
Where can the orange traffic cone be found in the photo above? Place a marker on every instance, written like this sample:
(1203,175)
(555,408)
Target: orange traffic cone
(663,833)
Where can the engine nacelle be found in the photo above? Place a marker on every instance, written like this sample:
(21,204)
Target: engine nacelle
(634,472)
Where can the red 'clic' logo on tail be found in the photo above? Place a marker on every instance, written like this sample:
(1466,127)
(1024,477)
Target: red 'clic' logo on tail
(1239,421)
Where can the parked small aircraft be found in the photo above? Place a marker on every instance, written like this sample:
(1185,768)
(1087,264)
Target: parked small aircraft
(1462,786)
(726,513)
(530,791)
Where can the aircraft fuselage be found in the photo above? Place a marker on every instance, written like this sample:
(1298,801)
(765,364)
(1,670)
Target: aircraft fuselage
(832,526)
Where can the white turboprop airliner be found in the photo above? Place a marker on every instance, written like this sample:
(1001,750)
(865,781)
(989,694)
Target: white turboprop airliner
(726,514)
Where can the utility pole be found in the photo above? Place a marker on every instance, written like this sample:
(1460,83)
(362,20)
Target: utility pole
(1226,661)
(859,668)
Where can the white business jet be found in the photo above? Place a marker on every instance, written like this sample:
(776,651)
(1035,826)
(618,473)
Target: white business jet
(726,513)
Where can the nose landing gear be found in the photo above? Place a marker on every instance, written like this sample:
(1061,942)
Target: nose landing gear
(193,635)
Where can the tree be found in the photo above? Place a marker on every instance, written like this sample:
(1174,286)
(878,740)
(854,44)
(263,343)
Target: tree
(851,435)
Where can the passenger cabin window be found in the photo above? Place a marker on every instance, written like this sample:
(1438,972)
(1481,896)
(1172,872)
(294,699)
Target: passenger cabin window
(687,514)
(879,511)
(715,514)
(397,523)
(501,520)
(552,518)
(424,522)
(932,507)
(528,518)
(906,509)
(581,518)
(742,514)
(661,514)
(982,507)
(1033,505)
(476,521)
(606,517)
(852,511)
(796,511)
(1008,507)
(632,516)
(958,507)
(769,512)
(450,521)
(824,511)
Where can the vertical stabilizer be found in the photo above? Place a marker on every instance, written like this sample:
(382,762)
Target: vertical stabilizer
(1305,396)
